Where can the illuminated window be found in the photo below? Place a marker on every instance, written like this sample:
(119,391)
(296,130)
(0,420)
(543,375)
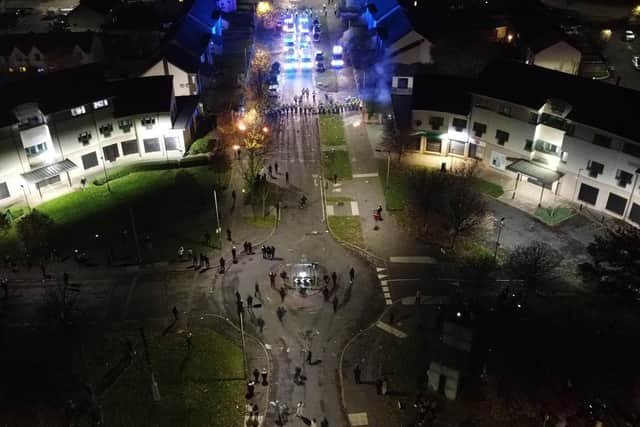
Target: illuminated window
(78,111)
(100,104)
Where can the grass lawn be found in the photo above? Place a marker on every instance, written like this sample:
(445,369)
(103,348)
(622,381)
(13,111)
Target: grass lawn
(172,207)
(396,191)
(488,188)
(347,228)
(201,387)
(337,163)
(333,200)
(261,222)
(554,216)
(332,130)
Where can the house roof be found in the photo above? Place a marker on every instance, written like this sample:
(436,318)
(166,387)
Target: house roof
(185,106)
(594,103)
(394,26)
(442,93)
(45,42)
(142,95)
(78,86)
(378,8)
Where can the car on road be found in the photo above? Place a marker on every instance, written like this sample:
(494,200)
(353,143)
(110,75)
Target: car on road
(290,53)
(303,24)
(306,63)
(305,42)
(316,37)
(337,60)
(288,38)
(320,67)
(319,56)
(290,64)
(629,35)
(635,61)
(289,25)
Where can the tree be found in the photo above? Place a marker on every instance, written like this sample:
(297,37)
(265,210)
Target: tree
(477,268)
(616,255)
(5,222)
(36,229)
(391,140)
(260,63)
(464,208)
(533,263)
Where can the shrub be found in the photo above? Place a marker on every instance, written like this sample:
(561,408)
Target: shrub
(200,146)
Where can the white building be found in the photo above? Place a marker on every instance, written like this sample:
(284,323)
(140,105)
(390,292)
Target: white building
(576,137)
(57,128)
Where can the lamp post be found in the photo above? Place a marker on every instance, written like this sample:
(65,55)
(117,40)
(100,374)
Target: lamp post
(575,189)
(500,225)
(26,199)
(633,188)
(106,177)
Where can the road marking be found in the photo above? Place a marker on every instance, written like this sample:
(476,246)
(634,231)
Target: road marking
(365,175)
(385,289)
(435,300)
(386,294)
(267,346)
(412,259)
(388,301)
(379,269)
(337,190)
(330,210)
(390,329)
(359,419)
(354,209)
(382,276)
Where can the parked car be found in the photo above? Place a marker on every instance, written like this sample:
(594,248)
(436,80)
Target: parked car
(337,60)
(320,67)
(629,35)
(319,56)
(635,61)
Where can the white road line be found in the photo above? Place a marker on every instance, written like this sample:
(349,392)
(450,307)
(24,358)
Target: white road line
(385,289)
(354,209)
(358,419)
(390,329)
(379,269)
(365,175)
(412,259)
(330,211)
(388,301)
(386,295)
(382,276)
(337,190)
(383,282)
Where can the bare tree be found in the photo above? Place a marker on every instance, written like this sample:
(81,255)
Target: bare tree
(464,208)
(391,140)
(533,263)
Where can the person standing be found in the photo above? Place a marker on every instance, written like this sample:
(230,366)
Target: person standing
(300,409)
(249,303)
(356,373)
(272,279)
(352,274)
(286,177)
(335,303)
(234,255)
(276,167)
(334,277)
(228,234)
(175,312)
(283,293)
(309,356)
(233,199)
(273,252)
(222,264)
(256,375)
(383,388)
(264,374)
(418,297)
(256,290)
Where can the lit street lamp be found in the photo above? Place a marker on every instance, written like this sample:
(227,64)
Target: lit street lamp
(236,149)
(500,225)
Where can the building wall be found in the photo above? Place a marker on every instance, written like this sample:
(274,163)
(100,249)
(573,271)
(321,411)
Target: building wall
(183,83)
(419,54)
(560,57)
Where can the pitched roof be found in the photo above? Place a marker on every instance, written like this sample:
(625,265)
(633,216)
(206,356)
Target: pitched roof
(185,106)
(46,42)
(142,95)
(378,8)
(442,93)
(394,26)
(601,105)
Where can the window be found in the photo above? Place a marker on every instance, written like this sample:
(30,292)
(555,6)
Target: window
(563,156)
(84,138)
(594,168)
(601,140)
(502,136)
(106,130)
(111,152)
(151,145)
(130,147)
(505,110)
(498,160)
(546,147)
(78,111)
(528,145)
(100,104)
(90,160)
(631,149)
(170,143)
(624,178)
(4,190)
(588,194)
(483,103)
(148,122)
(125,125)
(616,204)
(459,124)
(479,129)
(36,150)
(634,213)
(553,121)
(476,151)
(456,147)
(436,122)
(403,83)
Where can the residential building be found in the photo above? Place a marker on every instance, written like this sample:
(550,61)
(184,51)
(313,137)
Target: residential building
(547,47)
(547,130)
(45,52)
(57,128)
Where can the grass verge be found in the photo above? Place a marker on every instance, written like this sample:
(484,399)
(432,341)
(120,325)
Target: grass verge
(261,222)
(488,188)
(331,130)
(396,190)
(554,216)
(337,163)
(332,199)
(200,386)
(347,228)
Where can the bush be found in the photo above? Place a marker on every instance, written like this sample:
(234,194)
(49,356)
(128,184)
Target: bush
(123,171)
(201,146)
(35,230)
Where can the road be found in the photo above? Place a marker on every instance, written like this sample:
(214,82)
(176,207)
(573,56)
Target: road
(618,54)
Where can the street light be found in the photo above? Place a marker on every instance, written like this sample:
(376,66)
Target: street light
(26,199)
(265,129)
(242,127)
(236,149)
(500,225)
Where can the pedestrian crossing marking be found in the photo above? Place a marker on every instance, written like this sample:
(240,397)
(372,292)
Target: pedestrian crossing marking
(337,190)
(386,294)
(384,282)
(385,289)
(382,276)
(330,210)
(388,301)
(390,329)
(354,209)
(365,175)
(359,419)
(379,269)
